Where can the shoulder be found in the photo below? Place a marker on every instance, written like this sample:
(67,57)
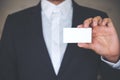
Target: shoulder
(22,19)
(25,13)
(88,12)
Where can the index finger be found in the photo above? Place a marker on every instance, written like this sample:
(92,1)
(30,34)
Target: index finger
(87,22)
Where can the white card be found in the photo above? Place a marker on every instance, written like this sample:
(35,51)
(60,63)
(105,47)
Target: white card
(77,35)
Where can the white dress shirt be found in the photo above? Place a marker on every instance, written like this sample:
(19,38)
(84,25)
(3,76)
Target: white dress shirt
(54,19)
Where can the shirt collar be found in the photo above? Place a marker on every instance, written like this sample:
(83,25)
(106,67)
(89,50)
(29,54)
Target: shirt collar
(47,7)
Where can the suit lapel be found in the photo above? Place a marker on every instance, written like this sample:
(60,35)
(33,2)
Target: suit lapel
(68,56)
(41,46)
(69,53)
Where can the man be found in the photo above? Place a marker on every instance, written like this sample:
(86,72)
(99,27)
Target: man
(32,47)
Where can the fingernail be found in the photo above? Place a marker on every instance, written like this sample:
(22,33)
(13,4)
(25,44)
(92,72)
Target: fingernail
(94,23)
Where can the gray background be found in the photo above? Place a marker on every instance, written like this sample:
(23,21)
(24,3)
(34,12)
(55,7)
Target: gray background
(109,6)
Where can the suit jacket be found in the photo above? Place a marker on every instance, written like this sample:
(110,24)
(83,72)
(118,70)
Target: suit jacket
(24,55)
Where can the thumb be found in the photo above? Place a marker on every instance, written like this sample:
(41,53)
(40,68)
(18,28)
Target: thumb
(84,45)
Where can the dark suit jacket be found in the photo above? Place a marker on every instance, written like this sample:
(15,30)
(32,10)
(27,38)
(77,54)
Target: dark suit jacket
(24,55)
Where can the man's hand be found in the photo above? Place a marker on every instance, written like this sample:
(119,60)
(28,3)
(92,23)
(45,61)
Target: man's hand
(105,41)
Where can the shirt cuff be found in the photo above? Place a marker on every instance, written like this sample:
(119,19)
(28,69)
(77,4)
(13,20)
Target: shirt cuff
(113,65)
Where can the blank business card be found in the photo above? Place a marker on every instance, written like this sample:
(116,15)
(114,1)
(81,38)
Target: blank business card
(77,35)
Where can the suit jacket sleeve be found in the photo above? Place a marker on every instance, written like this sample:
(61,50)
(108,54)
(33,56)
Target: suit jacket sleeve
(8,60)
(108,73)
